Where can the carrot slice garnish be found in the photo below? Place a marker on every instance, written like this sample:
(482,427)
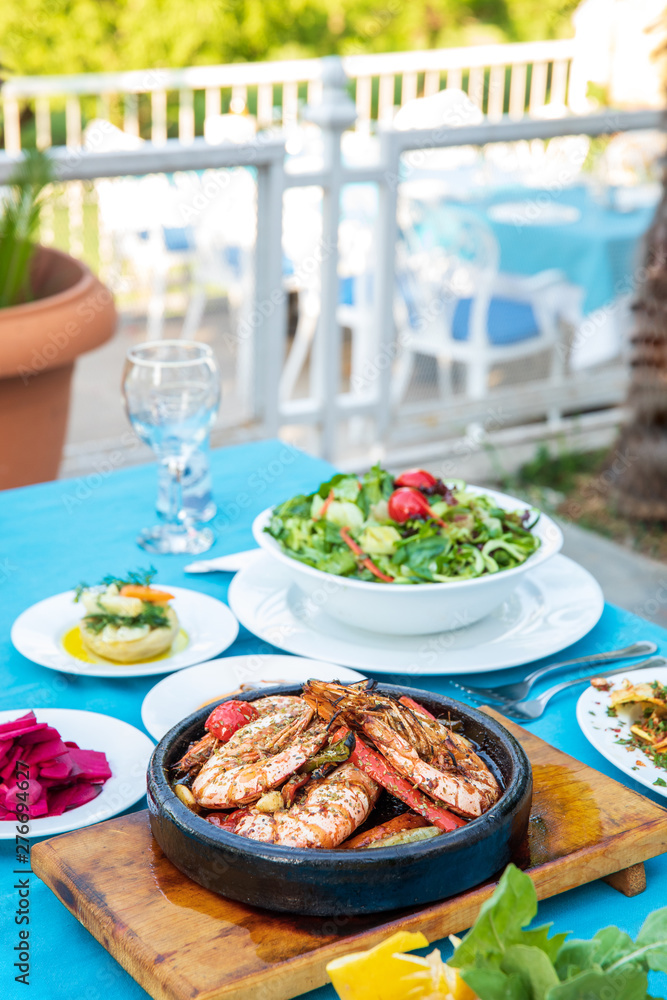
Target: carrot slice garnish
(145,593)
(325,506)
(366,561)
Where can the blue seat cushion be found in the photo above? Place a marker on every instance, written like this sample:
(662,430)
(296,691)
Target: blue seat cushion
(178,238)
(509,321)
(346,290)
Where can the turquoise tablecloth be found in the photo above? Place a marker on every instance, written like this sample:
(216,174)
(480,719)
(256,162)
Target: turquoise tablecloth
(598,252)
(55,534)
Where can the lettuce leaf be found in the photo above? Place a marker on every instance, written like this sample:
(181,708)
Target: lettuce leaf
(500,922)
(624,984)
(501,958)
(652,940)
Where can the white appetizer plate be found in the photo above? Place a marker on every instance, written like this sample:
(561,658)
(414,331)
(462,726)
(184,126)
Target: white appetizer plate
(127,749)
(603,732)
(38,632)
(177,696)
(552,607)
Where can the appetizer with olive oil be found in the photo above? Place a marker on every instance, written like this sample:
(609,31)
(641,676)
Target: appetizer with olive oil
(127,620)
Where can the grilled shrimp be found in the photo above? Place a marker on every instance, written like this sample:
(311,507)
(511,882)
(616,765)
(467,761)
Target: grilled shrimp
(245,783)
(279,725)
(329,813)
(440,762)
(198,753)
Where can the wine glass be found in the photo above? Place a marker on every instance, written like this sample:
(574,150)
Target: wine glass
(171,390)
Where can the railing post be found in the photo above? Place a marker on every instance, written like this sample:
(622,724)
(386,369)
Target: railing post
(12,118)
(268,320)
(384,334)
(334,115)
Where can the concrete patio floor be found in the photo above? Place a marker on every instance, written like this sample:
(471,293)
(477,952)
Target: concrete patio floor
(628,579)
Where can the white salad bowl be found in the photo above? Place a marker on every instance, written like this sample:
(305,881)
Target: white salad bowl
(413,609)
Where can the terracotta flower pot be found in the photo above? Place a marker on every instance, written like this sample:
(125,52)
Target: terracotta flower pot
(73,312)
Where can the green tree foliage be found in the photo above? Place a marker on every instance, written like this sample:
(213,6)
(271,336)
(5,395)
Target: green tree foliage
(78,36)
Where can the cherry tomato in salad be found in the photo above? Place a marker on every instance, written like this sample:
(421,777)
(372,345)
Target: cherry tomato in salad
(406,504)
(229,717)
(419,479)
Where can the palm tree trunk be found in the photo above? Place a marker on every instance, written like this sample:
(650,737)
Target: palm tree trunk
(638,463)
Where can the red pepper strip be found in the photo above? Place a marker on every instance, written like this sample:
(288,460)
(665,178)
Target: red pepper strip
(226,821)
(366,561)
(415,706)
(372,764)
(325,506)
(292,786)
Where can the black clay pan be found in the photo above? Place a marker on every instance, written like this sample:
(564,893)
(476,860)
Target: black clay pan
(333,882)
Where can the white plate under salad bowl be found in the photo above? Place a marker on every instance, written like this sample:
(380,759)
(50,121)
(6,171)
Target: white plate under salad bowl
(604,732)
(38,634)
(127,750)
(414,609)
(180,694)
(550,609)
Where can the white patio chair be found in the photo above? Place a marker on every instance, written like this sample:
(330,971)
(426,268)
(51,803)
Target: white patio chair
(223,235)
(454,305)
(229,128)
(302,245)
(141,219)
(537,162)
(135,216)
(451,108)
(448,108)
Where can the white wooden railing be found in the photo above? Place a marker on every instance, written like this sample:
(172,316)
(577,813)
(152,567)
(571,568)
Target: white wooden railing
(326,408)
(513,79)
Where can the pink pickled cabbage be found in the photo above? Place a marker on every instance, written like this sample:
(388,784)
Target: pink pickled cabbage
(62,776)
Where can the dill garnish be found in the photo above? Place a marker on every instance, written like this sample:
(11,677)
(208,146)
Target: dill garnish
(152,615)
(141,578)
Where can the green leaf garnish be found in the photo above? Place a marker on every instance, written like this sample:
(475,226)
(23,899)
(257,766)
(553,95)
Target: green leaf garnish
(140,578)
(500,958)
(152,615)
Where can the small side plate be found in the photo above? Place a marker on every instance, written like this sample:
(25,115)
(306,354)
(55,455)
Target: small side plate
(127,749)
(177,696)
(604,732)
(38,632)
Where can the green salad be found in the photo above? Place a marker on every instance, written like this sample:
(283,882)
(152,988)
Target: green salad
(412,528)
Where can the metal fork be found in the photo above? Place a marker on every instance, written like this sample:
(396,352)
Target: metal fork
(515,692)
(533,709)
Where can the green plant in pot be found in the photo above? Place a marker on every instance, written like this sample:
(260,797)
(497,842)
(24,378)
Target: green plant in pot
(19,224)
(52,308)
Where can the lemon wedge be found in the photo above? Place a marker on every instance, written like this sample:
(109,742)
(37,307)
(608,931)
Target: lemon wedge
(386,973)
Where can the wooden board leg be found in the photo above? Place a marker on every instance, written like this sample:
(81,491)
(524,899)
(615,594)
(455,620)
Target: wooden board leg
(630,881)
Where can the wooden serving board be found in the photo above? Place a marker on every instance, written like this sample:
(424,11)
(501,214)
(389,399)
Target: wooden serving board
(181,941)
